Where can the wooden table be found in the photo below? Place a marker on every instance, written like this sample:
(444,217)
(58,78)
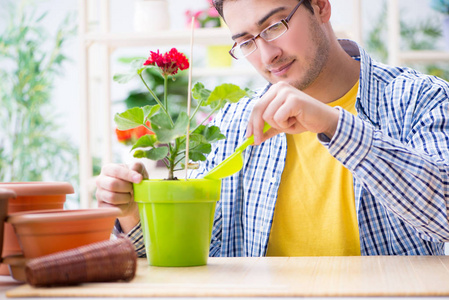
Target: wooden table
(405,276)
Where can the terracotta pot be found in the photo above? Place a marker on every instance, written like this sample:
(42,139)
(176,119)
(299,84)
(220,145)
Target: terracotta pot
(31,196)
(5,196)
(49,231)
(16,264)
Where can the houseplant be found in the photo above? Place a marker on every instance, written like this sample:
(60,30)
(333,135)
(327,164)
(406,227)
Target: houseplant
(176,214)
(32,147)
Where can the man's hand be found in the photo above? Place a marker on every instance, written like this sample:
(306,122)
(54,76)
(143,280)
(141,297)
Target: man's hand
(114,188)
(289,110)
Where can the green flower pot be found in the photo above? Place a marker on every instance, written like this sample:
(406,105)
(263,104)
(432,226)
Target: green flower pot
(177,218)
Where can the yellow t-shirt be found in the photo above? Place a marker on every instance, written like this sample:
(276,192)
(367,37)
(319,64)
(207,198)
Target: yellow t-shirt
(315,210)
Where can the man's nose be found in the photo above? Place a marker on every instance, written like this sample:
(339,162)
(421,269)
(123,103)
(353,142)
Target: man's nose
(269,51)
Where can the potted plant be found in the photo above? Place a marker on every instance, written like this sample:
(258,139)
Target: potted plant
(176,214)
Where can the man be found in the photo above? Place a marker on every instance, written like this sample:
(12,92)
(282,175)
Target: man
(356,162)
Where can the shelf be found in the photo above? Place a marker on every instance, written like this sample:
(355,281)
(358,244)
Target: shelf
(427,56)
(231,71)
(202,36)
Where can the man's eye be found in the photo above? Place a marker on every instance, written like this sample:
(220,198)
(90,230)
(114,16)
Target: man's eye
(246,45)
(273,29)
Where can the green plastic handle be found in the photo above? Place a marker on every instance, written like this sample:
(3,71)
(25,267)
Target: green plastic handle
(250,140)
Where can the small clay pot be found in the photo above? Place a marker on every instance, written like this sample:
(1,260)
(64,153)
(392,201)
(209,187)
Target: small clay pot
(16,264)
(31,196)
(49,231)
(5,196)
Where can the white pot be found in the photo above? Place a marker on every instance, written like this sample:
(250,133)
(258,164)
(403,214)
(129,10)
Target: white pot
(151,15)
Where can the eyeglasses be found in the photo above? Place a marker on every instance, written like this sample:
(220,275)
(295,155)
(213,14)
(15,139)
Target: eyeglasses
(268,34)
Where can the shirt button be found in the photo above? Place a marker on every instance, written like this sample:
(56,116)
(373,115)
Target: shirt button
(273,180)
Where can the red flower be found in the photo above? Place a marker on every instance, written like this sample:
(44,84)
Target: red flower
(169,63)
(130,136)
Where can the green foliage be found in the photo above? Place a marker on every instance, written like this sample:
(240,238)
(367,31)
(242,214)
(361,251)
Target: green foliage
(420,35)
(169,140)
(30,147)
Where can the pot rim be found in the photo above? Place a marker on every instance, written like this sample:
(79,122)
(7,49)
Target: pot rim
(177,191)
(32,188)
(17,259)
(57,215)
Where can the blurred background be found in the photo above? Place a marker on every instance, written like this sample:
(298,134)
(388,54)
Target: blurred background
(57,59)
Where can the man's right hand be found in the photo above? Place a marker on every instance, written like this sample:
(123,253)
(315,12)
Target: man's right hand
(114,188)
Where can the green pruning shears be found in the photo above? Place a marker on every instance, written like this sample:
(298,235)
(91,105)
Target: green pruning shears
(233,163)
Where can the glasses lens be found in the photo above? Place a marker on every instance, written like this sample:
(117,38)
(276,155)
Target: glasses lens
(274,31)
(244,49)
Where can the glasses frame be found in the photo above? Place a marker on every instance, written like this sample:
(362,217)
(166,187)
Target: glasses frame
(284,22)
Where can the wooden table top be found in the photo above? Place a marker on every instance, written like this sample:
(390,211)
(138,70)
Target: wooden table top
(405,276)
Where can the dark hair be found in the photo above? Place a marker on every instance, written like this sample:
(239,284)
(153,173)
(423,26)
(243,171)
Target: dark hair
(218,4)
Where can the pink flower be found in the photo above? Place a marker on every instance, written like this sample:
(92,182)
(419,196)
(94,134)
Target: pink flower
(213,12)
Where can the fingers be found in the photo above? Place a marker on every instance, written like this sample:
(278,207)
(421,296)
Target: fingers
(122,172)
(264,111)
(256,121)
(140,168)
(114,184)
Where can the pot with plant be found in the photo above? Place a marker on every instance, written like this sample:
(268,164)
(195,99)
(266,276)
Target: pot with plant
(176,214)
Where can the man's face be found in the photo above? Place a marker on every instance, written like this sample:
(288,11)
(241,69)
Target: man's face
(297,57)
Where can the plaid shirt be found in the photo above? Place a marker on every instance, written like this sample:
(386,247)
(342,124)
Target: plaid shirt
(397,148)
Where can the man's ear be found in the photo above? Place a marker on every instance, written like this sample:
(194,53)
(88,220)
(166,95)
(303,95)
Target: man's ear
(322,9)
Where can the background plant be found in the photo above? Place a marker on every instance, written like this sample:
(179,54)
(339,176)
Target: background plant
(440,5)
(31,147)
(423,34)
(204,18)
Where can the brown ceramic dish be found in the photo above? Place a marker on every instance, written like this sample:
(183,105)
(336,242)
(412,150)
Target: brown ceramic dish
(45,232)
(5,196)
(31,196)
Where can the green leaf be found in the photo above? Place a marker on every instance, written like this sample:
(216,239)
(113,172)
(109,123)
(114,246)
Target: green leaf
(145,142)
(161,121)
(150,110)
(124,77)
(228,92)
(198,153)
(129,60)
(131,118)
(213,134)
(166,133)
(200,93)
(194,140)
(210,133)
(153,154)
(136,67)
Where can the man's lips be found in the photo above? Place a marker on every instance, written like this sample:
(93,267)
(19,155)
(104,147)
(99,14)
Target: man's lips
(282,69)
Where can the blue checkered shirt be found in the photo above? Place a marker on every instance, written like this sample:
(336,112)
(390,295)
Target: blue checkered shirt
(397,148)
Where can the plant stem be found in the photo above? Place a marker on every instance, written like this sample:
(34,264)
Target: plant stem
(208,116)
(157,100)
(171,159)
(165,91)
(196,110)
